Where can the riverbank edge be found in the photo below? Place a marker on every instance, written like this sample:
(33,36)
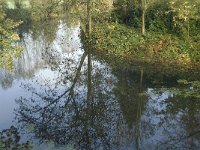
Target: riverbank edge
(163,51)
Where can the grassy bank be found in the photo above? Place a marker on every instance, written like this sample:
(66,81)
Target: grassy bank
(126,47)
(128,44)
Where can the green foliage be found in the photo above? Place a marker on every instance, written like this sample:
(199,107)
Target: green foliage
(174,16)
(126,43)
(8,50)
(159,17)
(45,9)
(128,12)
(19,12)
(191,89)
(185,11)
(185,88)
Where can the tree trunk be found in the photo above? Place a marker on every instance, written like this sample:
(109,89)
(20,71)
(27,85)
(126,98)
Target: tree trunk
(143,22)
(143,16)
(188,29)
(141,77)
(89,18)
(89,83)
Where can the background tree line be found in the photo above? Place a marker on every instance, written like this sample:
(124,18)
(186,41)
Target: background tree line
(177,17)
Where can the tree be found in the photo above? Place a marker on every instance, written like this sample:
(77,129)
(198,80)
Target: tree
(89,18)
(145,4)
(45,9)
(8,50)
(143,8)
(185,11)
(95,9)
(137,8)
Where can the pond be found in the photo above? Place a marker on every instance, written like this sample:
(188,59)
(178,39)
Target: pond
(61,96)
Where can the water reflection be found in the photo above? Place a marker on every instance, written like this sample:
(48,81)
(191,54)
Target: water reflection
(184,112)
(74,99)
(175,122)
(38,50)
(10,139)
(128,91)
(71,114)
(89,109)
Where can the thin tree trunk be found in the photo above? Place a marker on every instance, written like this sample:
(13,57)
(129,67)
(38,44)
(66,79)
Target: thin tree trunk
(143,22)
(89,73)
(141,77)
(143,15)
(89,18)
(126,13)
(188,29)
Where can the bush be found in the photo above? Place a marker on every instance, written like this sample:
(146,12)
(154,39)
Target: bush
(159,18)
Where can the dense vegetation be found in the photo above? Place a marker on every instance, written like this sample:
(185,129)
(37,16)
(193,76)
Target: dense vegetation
(158,31)
(168,35)
(8,51)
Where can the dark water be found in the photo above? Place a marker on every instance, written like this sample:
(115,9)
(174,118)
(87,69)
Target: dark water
(62,97)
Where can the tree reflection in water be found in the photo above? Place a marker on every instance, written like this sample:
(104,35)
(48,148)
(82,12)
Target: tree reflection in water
(78,115)
(128,91)
(87,106)
(10,138)
(183,117)
(177,120)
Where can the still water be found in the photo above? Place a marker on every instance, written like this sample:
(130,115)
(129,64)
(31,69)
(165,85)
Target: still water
(60,96)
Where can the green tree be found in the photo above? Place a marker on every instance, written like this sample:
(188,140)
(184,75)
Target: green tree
(145,4)
(143,8)
(185,11)
(89,18)
(8,50)
(45,9)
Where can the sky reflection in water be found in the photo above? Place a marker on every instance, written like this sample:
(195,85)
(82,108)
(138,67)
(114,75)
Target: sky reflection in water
(54,95)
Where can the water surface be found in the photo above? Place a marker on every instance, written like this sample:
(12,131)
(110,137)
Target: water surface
(61,96)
